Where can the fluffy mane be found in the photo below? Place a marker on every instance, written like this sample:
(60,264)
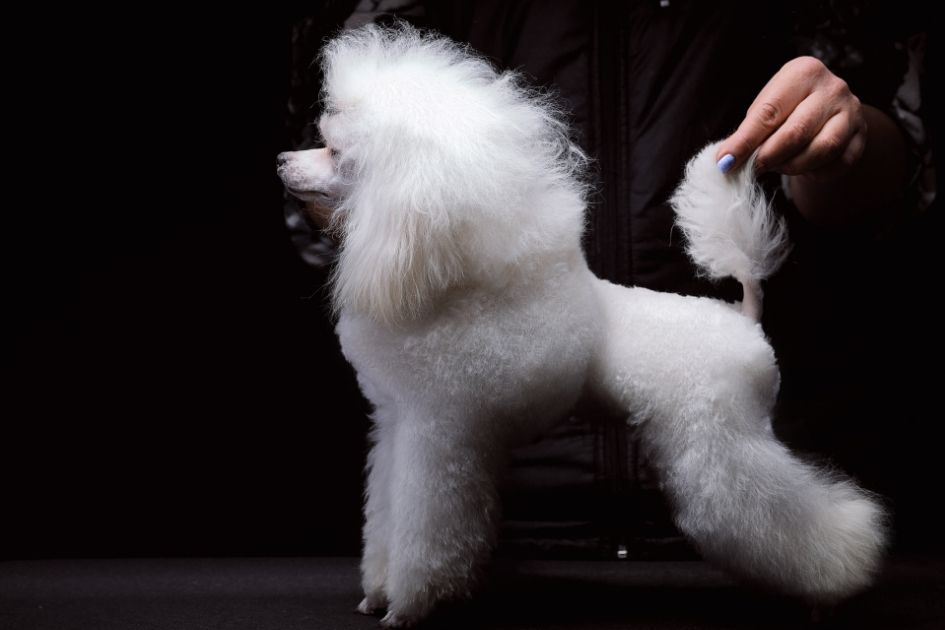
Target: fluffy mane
(453,169)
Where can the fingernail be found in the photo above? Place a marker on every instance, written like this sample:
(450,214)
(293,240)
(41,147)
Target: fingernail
(727,162)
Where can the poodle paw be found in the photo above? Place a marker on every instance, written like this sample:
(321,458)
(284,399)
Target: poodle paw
(395,620)
(857,540)
(371,606)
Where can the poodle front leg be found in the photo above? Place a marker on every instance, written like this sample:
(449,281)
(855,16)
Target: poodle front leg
(377,518)
(444,512)
(701,380)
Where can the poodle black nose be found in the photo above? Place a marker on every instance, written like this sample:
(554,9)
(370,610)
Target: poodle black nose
(282,158)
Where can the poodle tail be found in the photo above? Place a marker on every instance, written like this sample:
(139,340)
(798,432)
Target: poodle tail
(730,227)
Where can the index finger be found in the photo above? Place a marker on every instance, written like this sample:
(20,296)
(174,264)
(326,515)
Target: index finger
(767,113)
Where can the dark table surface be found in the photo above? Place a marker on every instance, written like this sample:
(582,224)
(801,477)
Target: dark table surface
(321,593)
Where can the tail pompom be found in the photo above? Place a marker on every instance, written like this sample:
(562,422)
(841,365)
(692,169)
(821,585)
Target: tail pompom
(730,227)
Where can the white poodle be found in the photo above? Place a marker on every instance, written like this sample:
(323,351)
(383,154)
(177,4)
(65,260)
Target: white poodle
(466,306)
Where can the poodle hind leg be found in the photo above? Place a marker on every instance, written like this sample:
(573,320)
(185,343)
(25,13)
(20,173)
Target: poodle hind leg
(751,506)
(444,513)
(701,381)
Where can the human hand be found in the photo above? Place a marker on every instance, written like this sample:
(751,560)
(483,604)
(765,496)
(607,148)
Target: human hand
(805,121)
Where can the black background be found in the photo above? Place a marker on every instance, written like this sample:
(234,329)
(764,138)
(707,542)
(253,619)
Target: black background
(174,386)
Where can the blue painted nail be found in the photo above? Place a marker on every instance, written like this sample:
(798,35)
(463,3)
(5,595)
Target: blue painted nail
(727,162)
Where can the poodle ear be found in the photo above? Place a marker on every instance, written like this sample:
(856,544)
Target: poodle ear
(398,245)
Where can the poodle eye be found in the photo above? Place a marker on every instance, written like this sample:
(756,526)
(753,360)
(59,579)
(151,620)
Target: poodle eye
(333,153)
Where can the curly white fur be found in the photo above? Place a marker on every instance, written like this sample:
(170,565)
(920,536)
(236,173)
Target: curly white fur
(464,158)
(467,308)
(730,227)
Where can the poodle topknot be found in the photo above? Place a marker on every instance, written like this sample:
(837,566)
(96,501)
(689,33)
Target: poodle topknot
(463,172)
(466,306)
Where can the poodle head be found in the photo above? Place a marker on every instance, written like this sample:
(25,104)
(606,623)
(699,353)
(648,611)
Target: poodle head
(439,170)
